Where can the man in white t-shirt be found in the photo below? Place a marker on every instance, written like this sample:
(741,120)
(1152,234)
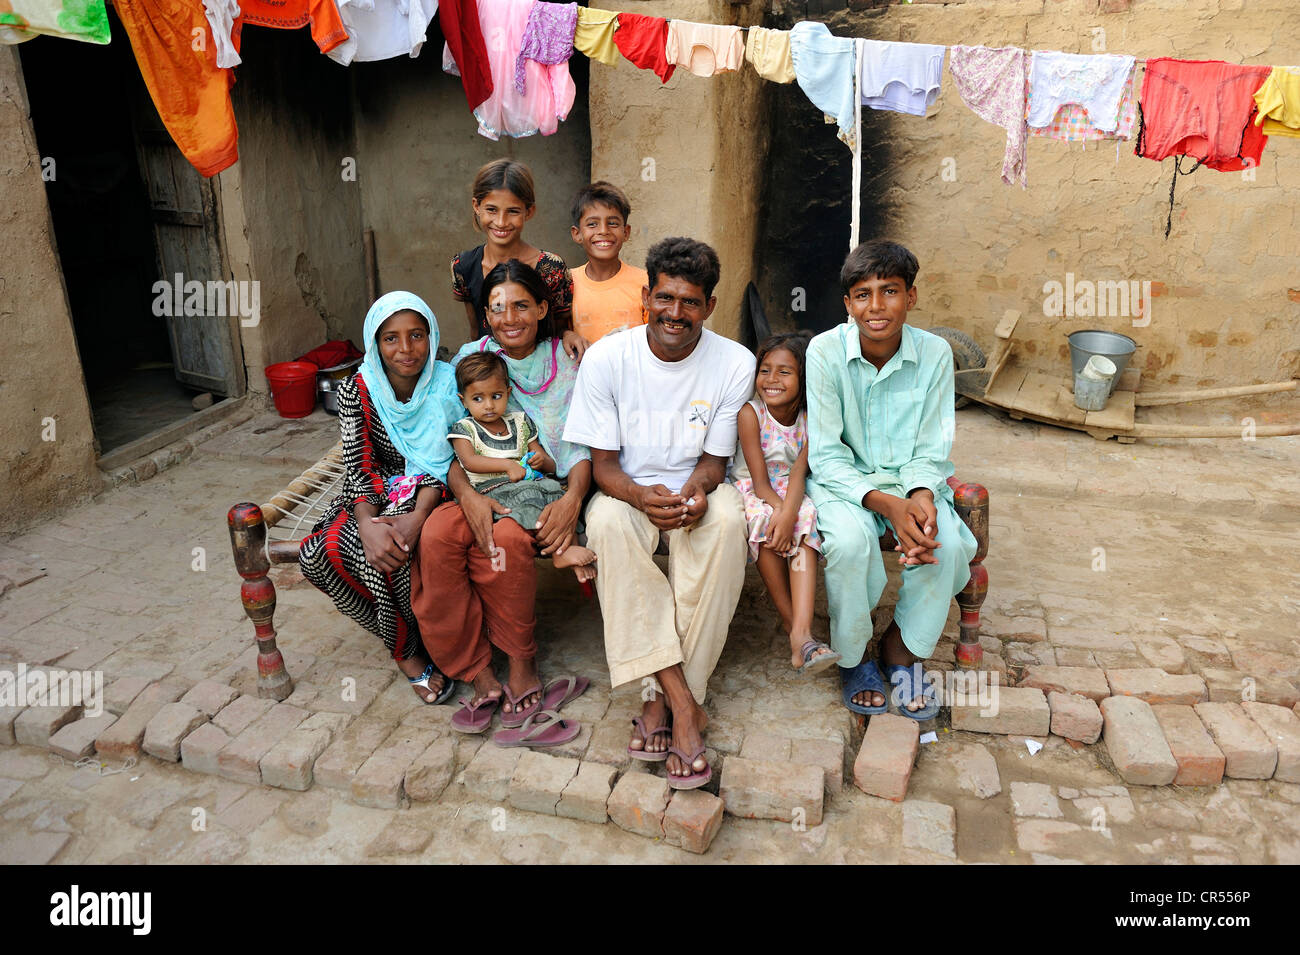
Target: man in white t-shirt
(657,406)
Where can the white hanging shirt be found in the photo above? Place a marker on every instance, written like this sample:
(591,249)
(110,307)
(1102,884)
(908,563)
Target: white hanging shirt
(380,29)
(222,15)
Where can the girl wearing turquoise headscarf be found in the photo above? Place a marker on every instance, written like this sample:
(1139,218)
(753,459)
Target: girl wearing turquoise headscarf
(478,584)
(393,414)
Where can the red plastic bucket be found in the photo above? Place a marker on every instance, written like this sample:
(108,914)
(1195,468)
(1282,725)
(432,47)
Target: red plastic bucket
(293,387)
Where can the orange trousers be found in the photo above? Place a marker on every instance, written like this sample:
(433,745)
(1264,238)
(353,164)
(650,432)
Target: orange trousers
(465,602)
(189,90)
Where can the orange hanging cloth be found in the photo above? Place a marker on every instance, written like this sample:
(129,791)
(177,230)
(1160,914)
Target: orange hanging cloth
(326,25)
(189,90)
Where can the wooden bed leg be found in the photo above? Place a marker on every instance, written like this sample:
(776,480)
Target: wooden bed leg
(248,541)
(972,505)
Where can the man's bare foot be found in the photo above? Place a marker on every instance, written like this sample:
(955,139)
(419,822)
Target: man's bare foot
(413,668)
(893,652)
(523,677)
(688,729)
(581,559)
(486,686)
(653,714)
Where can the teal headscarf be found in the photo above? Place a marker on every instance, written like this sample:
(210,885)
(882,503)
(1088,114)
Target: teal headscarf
(418,428)
(541,386)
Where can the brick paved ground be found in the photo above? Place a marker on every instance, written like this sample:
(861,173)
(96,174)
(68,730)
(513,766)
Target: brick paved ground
(1196,573)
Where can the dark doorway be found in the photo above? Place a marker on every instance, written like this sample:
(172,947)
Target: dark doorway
(88,105)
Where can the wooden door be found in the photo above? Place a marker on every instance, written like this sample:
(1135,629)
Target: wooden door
(205,350)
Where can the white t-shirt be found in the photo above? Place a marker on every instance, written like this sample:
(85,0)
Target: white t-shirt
(659,415)
(380,29)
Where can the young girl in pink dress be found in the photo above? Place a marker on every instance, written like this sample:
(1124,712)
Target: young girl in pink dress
(770,470)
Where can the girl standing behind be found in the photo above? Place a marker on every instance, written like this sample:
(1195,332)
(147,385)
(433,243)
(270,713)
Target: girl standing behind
(771,467)
(503,199)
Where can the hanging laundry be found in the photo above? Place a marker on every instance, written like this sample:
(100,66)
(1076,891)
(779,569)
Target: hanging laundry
(189,90)
(826,68)
(642,40)
(326,25)
(1278,101)
(21,20)
(223,15)
(595,35)
(382,29)
(994,84)
(1073,123)
(769,53)
(1094,84)
(465,54)
(706,49)
(1202,109)
(903,77)
(550,90)
(548,37)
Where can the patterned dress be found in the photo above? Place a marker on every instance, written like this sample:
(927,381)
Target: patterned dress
(332,557)
(781,447)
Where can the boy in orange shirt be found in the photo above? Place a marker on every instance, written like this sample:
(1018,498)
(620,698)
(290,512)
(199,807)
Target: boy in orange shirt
(606,290)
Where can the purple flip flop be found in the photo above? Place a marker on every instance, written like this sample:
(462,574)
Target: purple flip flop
(543,728)
(695,780)
(518,717)
(641,754)
(475,717)
(563,689)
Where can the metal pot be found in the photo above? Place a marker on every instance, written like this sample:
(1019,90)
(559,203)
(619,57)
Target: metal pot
(328,381)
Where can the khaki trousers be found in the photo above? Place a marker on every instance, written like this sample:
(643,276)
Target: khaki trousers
(652,623)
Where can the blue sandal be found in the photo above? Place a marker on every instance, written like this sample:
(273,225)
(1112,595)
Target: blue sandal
(448,685)
(863,677)
(904,680)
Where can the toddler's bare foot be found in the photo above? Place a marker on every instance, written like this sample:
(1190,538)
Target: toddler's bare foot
(579,558)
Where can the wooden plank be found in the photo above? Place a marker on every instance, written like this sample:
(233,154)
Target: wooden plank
(1008,324)
(999,362)
(1116,416)
(1003,391)
(1130,380)
(1041,395)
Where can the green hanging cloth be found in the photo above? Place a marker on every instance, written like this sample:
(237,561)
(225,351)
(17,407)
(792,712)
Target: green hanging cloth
(71,19)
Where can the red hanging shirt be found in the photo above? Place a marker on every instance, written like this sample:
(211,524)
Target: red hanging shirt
(643,40)
(1203,109)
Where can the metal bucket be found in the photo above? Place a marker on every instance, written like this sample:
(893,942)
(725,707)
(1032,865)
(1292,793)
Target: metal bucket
(329,379)
(1118,348)
(1093,384)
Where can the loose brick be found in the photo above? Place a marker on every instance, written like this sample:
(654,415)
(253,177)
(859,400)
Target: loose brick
(1200,762)
(1163,653)
(120,694)
(488,774)
(199,750)
(1282,727)
(1234,686)
(289,763)
(77,739)
(931,826)
(1014,711)
(826,753)
(170,725)
(1248,752)
(1157,686)
(123,738)
(36,724)
(763,789)
(1202,652)
(241,713)
(242,759)
(638,802)
(379,782)
(210,697)
(692,819)
(766,746)
(1135,743)
(1075,717)
(1081,681)
(887,755)
(336,766)
(587,794)
(539,780)
(430,773)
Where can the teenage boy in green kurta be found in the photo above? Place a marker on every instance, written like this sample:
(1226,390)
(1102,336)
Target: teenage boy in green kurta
(880,430)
